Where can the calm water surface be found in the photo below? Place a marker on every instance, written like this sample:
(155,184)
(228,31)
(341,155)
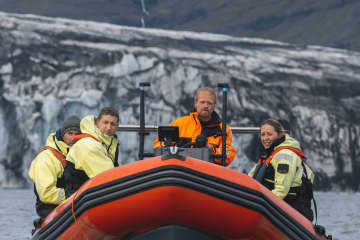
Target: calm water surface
(339,212)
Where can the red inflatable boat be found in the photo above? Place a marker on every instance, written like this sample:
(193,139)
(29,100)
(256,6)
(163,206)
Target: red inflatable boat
(174,198)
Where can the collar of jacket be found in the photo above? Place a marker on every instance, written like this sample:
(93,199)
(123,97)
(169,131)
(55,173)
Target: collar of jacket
(84,135)
(215,119)
(60,146)
(88,126)
(265,153)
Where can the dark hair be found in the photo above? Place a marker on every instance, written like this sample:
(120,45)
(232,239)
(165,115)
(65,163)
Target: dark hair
(275,124)
(108,111)
(285,124)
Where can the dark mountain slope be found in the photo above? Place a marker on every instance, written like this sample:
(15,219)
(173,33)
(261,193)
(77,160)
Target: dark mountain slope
(332,23)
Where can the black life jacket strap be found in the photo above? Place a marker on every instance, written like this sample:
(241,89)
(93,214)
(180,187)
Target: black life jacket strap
(313,198)
(259,172)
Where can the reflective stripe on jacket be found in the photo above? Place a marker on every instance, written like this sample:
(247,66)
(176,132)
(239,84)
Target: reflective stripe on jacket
(46,170)
(190,127)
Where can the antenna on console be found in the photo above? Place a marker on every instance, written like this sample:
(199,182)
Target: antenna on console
(225,88)
(142,119)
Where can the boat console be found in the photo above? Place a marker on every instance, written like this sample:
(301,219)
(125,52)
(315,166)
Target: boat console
(178,148)
(204,154)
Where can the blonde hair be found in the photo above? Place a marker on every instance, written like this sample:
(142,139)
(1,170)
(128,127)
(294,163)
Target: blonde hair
(207,90)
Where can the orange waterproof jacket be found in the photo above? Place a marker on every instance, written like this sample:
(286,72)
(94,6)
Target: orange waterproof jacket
(190,127)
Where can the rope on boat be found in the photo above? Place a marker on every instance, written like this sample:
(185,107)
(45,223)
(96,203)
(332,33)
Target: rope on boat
(75,220)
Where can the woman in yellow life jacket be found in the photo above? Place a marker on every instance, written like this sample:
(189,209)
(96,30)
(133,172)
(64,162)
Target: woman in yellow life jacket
(46,170)
(94,151)
(280,167)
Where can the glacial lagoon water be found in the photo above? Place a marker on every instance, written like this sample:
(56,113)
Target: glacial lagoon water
(339,212)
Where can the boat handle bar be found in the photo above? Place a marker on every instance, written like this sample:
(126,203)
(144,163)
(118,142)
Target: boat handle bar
(154,128)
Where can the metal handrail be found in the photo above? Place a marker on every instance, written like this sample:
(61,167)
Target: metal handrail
(154,128)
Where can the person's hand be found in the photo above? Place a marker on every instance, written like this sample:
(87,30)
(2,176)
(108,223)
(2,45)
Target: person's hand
(201,141)
(218,161)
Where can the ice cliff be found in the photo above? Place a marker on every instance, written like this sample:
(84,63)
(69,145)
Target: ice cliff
(51,68)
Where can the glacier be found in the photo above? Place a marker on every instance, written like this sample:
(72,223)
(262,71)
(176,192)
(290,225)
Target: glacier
(51,68)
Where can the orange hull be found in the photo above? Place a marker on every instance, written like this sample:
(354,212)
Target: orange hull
(147,195)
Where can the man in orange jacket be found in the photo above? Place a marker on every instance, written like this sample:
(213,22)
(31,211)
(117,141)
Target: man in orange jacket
(206,123)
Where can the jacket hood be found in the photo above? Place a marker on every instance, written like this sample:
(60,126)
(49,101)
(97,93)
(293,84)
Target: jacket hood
(87,125)
(59,145)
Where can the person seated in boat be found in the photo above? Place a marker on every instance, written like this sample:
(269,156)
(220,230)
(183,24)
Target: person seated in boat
(279,167)
(205,124)
(94,151)
(47,168)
